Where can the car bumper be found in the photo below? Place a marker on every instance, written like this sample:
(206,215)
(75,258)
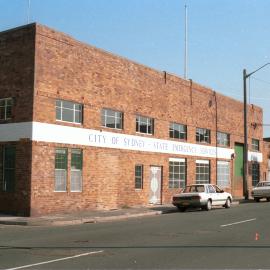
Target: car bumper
(188,203)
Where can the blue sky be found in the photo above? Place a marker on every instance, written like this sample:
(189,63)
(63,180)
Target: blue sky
(225,36)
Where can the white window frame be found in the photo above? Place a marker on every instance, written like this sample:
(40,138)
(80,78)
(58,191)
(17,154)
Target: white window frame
(5,108)
(74,111)
(255,167)
(223,174)
(203,164)
(177,179)
(148,121)
(76,170)
(182,130)
(206,133)
(223,139)
(62,170)
(140,177)
(104,114)
(255,145)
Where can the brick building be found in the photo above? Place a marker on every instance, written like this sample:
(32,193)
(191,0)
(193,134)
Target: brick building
(81,128)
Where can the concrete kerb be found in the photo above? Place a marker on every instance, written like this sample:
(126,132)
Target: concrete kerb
(77,221)
(65,221)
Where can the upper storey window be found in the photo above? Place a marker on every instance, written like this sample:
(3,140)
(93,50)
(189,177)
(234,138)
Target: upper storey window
(112,119)
(255,145)
(223,139)
(178,131)
(5,108)
(203,135)
(68,111)
(144,124)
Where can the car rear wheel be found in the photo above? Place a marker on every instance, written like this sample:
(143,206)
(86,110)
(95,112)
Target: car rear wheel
(208,205)
(228,203)
(256,199)
(181,208)
(268,199)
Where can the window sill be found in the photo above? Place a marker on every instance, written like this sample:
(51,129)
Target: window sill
(141,133)
(67,122)
(110,128)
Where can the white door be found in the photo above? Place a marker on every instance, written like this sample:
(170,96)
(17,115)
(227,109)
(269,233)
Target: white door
(155,185)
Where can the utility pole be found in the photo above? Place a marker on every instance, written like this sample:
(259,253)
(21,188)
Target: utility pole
(245,167)
(28,11)
(186,47)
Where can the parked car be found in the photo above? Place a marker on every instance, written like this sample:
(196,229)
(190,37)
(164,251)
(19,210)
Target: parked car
(202,196)
(262,190)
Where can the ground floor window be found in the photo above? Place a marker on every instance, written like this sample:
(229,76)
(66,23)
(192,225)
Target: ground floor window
(61,169)
(202,172)
(7,167)
(177,173)
(61,159)
(76,170)
(255,173)
(223,174)
(138,176)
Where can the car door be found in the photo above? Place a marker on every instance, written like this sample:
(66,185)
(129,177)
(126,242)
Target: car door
(221,196)
(213,195)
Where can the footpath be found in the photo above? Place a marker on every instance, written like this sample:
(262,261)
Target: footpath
(83,217)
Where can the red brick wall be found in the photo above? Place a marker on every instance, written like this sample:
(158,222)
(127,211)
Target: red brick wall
(17,70)
(68,69)
(18,202)
(266,157)
(17,81)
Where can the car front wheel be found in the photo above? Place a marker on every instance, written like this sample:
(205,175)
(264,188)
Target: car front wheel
(228,203)
(208,205)
(257,199)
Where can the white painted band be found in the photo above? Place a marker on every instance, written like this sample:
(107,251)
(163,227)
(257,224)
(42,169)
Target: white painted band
(223,162)
(177,159)
(202,161)
(43,132)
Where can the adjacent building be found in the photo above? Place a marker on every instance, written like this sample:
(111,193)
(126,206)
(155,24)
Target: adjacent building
(81,128)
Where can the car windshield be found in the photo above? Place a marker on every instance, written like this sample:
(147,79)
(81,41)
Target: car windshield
(263,184)
(197,188)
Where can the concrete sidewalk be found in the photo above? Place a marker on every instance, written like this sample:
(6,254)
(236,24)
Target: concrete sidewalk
(82,217)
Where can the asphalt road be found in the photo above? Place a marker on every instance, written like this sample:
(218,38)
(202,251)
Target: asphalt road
(219,239)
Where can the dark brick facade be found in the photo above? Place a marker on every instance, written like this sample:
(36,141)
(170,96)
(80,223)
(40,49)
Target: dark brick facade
(40,65)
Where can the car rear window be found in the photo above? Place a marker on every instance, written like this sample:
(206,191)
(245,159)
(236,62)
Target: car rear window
(194,189)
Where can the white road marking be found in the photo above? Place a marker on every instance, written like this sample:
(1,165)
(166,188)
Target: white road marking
(243,221)
(57,260)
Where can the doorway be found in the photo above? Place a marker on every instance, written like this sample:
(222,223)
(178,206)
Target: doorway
(155,185)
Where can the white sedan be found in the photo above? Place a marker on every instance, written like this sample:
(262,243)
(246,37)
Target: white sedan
(262,190)
(201,195)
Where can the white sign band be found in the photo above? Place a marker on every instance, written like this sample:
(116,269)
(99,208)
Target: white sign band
(37,131)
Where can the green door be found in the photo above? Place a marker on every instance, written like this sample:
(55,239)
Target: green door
(238,170)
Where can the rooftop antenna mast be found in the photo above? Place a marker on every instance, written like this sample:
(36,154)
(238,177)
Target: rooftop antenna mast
(186,37)
(28,11)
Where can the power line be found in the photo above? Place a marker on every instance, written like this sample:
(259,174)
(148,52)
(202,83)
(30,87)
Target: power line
(260,80)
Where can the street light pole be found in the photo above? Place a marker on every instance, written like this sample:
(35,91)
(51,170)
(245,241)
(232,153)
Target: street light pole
(245,174)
